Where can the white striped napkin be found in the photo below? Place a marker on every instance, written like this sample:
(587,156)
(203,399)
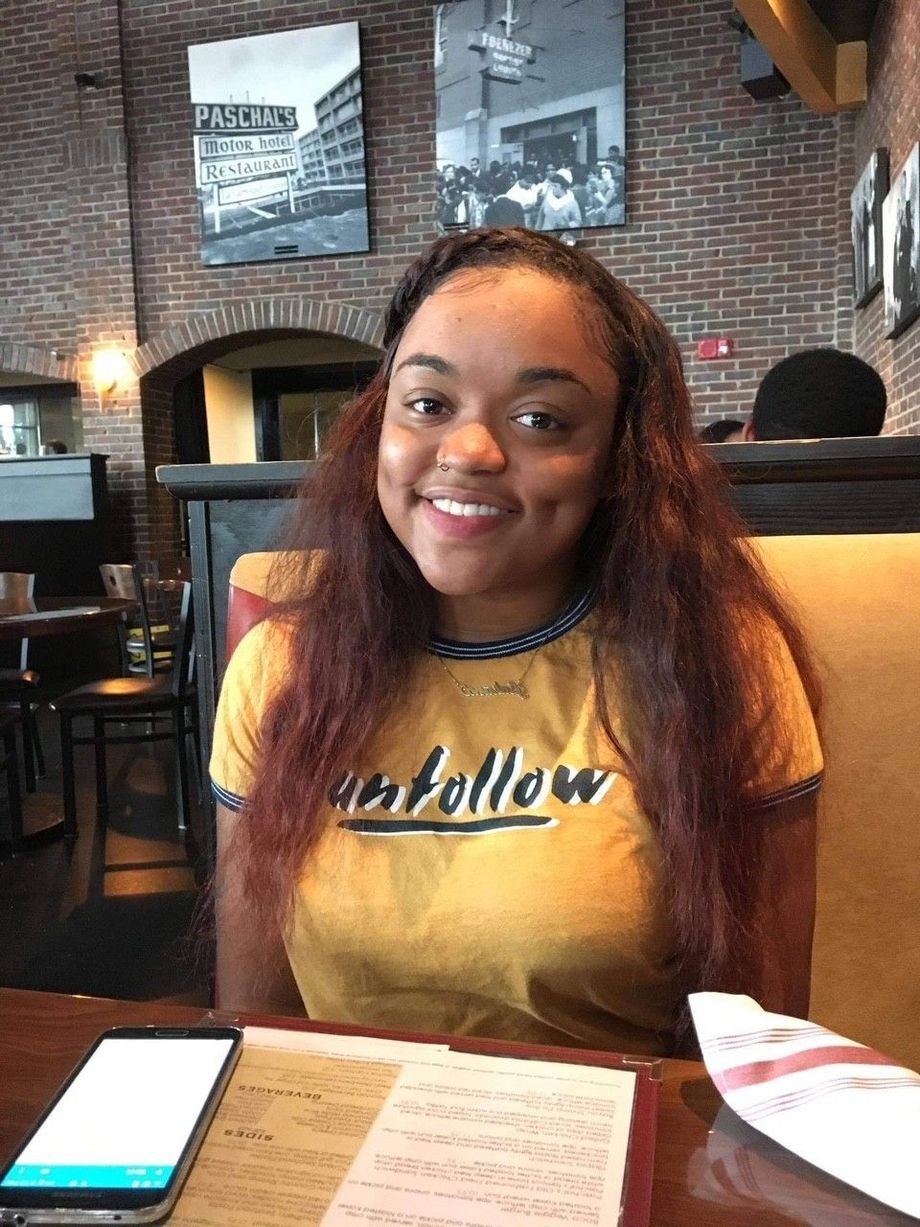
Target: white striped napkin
(845,1108)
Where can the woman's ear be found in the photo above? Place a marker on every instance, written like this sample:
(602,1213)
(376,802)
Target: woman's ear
(747,432)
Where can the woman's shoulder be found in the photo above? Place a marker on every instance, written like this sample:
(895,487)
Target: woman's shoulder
(261,660)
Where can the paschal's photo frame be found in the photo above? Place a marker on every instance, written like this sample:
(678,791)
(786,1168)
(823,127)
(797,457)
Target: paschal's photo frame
(277,123)
(901,236)
(531,113)
(866,203)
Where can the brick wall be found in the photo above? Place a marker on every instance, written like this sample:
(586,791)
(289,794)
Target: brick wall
(892,120)
(737,210)
(734,223)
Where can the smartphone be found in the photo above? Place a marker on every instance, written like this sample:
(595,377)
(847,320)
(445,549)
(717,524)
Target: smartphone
(119,1137)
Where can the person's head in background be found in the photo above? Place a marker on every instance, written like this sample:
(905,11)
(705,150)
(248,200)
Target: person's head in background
(55,447)
(818,394)
(726,430)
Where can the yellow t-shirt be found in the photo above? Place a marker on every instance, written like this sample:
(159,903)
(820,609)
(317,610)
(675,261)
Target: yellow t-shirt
(484,868)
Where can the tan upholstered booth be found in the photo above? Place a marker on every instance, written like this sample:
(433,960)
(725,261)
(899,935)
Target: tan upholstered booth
(859,599)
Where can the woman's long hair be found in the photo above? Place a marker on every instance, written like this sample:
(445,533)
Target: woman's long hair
(685,615)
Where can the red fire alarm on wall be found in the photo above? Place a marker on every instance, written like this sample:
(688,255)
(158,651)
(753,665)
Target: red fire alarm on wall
(715,347)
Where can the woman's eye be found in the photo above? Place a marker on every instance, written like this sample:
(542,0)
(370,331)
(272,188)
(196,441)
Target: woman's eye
(533,419)
(426,405)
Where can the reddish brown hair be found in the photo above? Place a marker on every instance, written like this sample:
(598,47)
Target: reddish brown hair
(684,609)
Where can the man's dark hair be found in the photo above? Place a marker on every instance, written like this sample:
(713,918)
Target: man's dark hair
(819,394)
(718,432)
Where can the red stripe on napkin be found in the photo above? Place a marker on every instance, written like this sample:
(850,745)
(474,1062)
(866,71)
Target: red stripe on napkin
(765,1071)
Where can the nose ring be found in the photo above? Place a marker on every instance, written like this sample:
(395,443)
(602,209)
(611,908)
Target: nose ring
(443,467)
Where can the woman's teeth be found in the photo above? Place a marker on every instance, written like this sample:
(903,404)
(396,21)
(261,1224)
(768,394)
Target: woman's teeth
(465,509)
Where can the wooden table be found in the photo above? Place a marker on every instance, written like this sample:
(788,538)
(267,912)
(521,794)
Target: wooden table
(711,1170)
(56,615)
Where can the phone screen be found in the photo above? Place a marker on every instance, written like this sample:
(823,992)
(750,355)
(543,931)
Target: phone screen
(124,1120)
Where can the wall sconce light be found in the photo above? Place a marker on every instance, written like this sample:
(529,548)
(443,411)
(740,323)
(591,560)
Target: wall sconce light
(86,80)
(111,371)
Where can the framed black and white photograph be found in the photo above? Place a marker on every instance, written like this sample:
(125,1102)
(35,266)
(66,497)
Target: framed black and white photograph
(901,232)
(531,113)
(866,227)
(278,130)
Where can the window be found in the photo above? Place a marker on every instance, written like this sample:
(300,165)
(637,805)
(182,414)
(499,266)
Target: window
(295,406)
(19,430)
(440,35)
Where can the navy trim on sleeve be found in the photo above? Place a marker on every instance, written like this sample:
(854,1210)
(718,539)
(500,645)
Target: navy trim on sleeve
(791,793)
(229,799)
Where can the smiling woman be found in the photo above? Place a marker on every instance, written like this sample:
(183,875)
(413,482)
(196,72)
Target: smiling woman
(531,753)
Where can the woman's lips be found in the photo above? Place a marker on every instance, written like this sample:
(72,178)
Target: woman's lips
(452,518)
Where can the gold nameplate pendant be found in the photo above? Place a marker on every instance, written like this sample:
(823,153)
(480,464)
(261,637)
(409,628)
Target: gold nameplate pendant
(494,690)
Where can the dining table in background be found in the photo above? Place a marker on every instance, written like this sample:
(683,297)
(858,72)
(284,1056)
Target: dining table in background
(710,1169)
(54,615)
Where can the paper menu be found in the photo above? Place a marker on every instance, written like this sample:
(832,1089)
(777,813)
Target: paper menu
(426,1138)
(283,1139)
(474,1142)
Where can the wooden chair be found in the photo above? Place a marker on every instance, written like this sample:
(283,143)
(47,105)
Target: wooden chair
(126,701)
(145,649)
(19,687)
(9,764)
(858,597)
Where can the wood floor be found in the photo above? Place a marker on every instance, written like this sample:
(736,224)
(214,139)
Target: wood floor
(113,915)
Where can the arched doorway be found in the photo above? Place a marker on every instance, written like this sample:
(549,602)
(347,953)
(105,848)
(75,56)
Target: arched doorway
(248,382)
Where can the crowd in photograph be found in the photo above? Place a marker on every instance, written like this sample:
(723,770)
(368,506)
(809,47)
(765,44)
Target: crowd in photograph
(541,195)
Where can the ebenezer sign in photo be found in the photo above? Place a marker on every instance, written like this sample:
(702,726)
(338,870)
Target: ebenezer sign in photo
(282,177)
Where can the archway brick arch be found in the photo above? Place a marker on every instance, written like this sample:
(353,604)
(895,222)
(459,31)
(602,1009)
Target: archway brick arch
(260,315)
(16,359)
(204,336)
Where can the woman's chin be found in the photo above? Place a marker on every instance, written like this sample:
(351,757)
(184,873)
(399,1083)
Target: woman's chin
(457,587)
(458,582)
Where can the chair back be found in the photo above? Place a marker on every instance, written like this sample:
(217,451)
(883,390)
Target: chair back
(123,581)
(16,591)
(183,666)
(858,600)
(254,587)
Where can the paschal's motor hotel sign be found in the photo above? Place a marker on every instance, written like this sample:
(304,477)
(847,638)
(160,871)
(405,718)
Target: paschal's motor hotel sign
(238,143)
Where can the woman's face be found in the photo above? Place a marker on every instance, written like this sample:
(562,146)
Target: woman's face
(557,189)
(498,378)
(606,174)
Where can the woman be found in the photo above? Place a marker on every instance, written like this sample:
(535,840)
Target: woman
(607,199)
(529,755)
(559,209)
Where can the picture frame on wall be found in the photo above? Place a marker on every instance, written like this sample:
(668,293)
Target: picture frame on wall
(278,131)
(531,113)
(866,227)
(901,235)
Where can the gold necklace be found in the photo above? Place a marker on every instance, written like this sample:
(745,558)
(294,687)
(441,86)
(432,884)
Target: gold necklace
(494,690)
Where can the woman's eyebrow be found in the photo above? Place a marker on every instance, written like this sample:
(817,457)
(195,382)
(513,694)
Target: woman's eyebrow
(527,375)
(549,374)
(432,361)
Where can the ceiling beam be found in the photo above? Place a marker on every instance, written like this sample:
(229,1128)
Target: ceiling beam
(828,76)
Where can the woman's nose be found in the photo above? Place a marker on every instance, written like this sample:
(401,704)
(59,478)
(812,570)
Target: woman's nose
(472,448)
